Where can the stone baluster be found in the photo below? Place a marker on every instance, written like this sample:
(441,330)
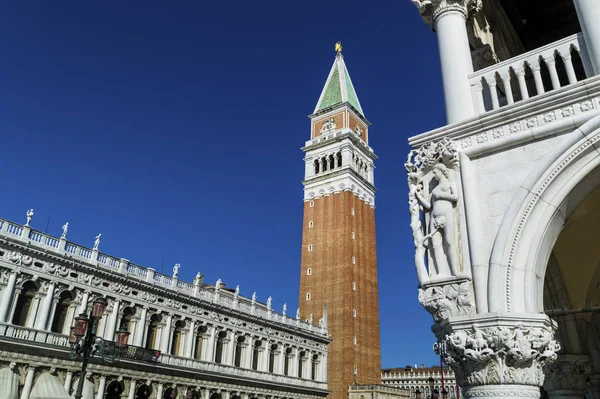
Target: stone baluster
(551,64)
(507,88)
(132,387)
(68,381)
(101,387)
(522,83)
(568,61)
(480,104)
(41,320)
(491,81)
(7,295)
(537,77)
(588,13)
(28,382)
(140,327)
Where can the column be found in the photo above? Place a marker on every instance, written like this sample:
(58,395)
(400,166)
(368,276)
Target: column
(28,382)
(588,13)
(7,294)
(210,347)
(448,19)
(68,380)
(498,356)
(189,339)
(42,316)
(207,393)
(263,364)
(84,302)
(567,377)
(101,387)
(281,360)
(132,390)
(166,335)
(109,332)
(567,60)
(551,64)
(248,351)
(494,92)
(324,367)
(160,390)
(537,77)
(141,327)
(231,348)
(507,88)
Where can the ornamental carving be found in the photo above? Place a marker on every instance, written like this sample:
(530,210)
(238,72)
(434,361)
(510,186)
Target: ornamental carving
(431,10)
(432,198)
(569,373)
(500,354)
(443,301)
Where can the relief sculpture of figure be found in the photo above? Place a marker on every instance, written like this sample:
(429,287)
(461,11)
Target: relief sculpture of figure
(441,237)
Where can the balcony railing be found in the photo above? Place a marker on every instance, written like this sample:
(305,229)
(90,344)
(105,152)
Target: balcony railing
(60,246)
(521,77)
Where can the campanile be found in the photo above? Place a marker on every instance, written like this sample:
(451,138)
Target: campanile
(339,263)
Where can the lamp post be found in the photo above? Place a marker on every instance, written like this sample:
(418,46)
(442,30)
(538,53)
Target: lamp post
(85,343)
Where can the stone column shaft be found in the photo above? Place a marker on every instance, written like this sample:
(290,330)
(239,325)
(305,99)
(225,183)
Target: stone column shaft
(160,390)
(109,332)
(7,295)
(140,328)
(588,13)
(41,321)
(84,302)
(28,383)
(132,390)
(101,387)
(68,381)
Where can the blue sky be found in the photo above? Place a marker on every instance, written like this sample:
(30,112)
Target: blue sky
(174,129)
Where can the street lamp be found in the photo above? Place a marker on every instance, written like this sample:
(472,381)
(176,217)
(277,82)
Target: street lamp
(85,343)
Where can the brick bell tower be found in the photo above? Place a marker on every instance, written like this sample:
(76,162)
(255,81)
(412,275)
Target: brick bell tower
(339,263)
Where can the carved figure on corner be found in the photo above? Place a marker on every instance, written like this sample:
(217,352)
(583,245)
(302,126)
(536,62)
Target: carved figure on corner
(269,302)
(65,229)
(176,270)
(97,241)
(432,197)
(253,298)
(284,308)
(298,313)
(29,216)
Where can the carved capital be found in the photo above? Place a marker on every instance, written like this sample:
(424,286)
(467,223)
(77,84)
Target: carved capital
(432,10)
(444,300)
(568,373)
(498,350)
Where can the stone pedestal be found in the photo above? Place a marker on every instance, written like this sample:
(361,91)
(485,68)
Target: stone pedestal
(498,355)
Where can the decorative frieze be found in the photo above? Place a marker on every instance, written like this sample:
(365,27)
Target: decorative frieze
(431,10)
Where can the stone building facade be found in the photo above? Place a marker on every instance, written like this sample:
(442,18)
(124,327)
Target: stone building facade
(214,343)
(504,199)
(415,379)
(339,263)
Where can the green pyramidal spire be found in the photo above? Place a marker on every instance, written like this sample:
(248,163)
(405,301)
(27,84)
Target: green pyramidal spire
(338,88)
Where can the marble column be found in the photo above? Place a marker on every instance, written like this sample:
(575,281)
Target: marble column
(448,18)
(498,355)
(28,383)
(588,13)
(101,387)
(68,380)
(84,303)
(141,327)
(160,390)
(189,339)
(231,348)
(41,320)
(132,388)
(109,332)
(568,376)
(207,393)
(166,334)
(7,294)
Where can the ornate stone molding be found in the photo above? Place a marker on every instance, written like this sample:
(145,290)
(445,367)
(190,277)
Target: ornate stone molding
(431,10)
(508,391)
(446,300)
(500,352)
(568,373)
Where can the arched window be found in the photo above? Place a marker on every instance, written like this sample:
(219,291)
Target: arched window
(23,306)
(255,354)
(331,162)
(114,390)
(310,224)
(272,350)
(152,335)
(143,392)
(310,247)
(177,340)
(201,332)
(339,159)
(286,364)
(60,314)
(239,345)
(220,347)
(353,312)
(170,393)
(308,296)
(128,314)
(324,163)
(309,272)
(301,359)
(313,369)
(317,168)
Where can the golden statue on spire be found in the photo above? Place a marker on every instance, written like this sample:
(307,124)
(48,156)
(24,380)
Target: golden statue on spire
(338,47)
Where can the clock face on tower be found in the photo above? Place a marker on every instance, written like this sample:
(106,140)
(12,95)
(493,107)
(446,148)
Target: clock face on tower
(358,130)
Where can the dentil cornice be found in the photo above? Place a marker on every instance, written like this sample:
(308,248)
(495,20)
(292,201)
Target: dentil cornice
(431,10)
